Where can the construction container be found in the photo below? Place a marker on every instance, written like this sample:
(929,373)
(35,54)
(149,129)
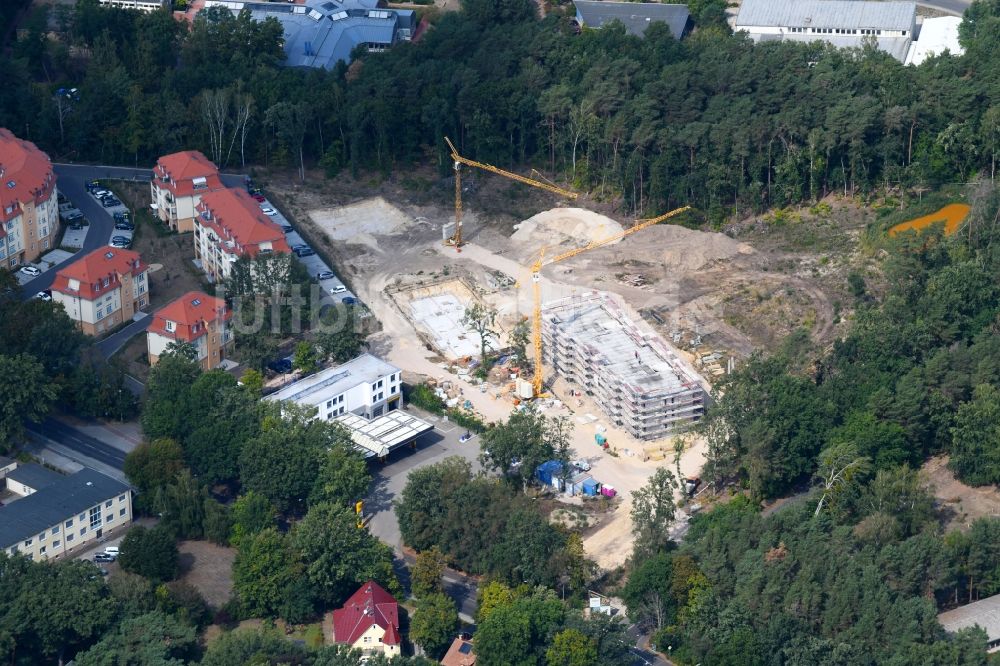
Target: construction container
(547,471)
(575,485)
(608,491)
(591,487)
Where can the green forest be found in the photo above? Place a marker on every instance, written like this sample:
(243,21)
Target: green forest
(651,124)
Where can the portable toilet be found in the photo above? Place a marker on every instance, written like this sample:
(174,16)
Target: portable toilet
(591,487)
(600,439)
(608,491)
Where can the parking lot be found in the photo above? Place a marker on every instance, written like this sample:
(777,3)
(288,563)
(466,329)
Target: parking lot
(334,289)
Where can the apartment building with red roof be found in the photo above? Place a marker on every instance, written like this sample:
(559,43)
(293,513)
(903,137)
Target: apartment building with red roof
(103,289)
(369,621)
(29,208)
(198,319)
(230,225)
(179,181)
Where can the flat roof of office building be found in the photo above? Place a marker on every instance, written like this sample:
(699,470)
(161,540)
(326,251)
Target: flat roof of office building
(336,380)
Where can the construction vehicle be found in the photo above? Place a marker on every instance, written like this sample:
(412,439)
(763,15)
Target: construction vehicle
(456,238)
(536,276)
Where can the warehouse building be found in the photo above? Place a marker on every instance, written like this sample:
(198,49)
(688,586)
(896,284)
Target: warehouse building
(984,613)
(642,384)
(842,23)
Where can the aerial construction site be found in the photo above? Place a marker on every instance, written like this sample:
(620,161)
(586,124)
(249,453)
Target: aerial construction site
(636,319)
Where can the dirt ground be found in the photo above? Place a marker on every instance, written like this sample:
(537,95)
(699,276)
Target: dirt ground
(702,291)
(960,504)
(169,256)
(208,567)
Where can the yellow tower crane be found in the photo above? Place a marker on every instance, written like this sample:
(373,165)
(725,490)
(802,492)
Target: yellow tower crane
(456,238)
(536,276)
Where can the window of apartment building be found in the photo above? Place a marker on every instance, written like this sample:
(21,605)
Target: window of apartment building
(142,302)
(55,544)
(121,498)
(83,517)
(55,530)
(100,313)
(41,537)
(27,543)
(121,512)
(69,537)
(69,523)
(95,517)
(41,551)
(170,326)
(106,282)
(377,411)
(110,517)
(83,531)
(107,505)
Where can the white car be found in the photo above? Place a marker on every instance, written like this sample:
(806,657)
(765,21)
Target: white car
(44,296)
(112,550)
(31,270)
(581,465)
(339,289)
(267,210)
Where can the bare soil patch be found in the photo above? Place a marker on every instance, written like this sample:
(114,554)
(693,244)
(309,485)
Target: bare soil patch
(960,504)
(208,568)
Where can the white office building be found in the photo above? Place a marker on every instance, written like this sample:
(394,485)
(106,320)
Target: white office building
(366,386)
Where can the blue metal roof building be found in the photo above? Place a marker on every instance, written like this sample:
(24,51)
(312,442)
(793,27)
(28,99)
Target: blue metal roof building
(320,33)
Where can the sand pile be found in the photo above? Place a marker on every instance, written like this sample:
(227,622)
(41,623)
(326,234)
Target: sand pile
(687,249)
(574,226)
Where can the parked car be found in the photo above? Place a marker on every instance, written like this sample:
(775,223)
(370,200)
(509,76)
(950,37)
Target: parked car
(305,252)
(110,202)
(124,226)
(31,270)
(287,228)
(339,289)
(267,210)
(349,300)
(581,465)
(104,557)
(76,226)
(259,198)
(120,242)
(325,275)
(281,366)
(45,295)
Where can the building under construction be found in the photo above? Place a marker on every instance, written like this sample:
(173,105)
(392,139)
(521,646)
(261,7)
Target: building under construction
(640,382)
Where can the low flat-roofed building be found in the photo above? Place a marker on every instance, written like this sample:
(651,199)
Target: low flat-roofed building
(321,33)
(842,23)
(366,386)
(45,515)
(635,16)
(384,434)
(984,613)
(934,37)
(141,5)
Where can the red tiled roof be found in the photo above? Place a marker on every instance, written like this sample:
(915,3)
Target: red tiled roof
(235,216)
(369,605)
(25,174)
(459,654)
(182,168)
(191,314)
(91,270)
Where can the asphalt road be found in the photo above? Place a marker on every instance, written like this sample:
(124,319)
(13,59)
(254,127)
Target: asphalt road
(956,7)
(111,344)
(79,442)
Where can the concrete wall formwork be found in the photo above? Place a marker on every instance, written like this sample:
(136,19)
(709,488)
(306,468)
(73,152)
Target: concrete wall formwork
(642,384)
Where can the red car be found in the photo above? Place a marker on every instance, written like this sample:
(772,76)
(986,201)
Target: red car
(259,197)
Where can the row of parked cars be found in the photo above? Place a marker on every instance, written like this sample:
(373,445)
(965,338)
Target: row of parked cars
(106,197)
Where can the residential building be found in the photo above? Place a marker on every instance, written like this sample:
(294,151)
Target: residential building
(29,208)
(460,653)
(842,23)
(322,33)
(594,341)
(178,182)
(935,36)
(103,289)
(230,225)
(141,5)
(369,622)
(198,319)
(635,16)
(366,386)
(984,613)
(47,515)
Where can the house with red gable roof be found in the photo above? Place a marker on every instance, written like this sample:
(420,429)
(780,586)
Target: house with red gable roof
(29,208)
(198,319)
(230,225)
(369,621)
(178,182)
(103,289)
